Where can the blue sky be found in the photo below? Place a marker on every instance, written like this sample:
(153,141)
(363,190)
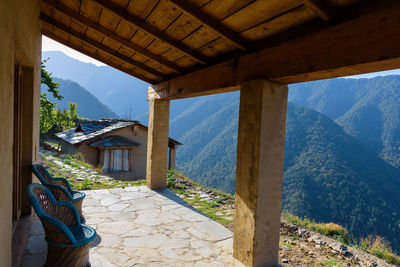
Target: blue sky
(50,45)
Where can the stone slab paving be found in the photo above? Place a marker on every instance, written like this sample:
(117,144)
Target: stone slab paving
(140,227)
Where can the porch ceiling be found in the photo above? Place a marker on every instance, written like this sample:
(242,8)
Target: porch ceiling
(161,41)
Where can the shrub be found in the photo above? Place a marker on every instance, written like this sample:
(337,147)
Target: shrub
(334,230)
(380,247)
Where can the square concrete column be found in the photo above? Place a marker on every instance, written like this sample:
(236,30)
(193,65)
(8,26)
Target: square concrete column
(259,172)
(157,144)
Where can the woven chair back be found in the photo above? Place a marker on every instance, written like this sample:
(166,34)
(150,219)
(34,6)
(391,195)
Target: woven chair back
(49,208)
(44,174)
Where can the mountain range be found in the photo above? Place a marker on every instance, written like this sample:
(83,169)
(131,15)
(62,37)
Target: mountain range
(342,142)
(88,105)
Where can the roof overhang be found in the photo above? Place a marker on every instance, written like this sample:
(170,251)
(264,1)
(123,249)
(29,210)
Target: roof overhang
(188,48)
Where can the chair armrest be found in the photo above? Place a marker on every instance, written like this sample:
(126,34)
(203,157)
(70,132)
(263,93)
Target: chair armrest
(64,181)
(60,190)
(61,226)
(67,213)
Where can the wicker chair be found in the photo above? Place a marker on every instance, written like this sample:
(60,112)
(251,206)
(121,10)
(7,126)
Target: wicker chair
(68,240)
(60,188)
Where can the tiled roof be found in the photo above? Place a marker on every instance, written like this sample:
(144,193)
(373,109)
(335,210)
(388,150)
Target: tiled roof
(114,141)
(89,129)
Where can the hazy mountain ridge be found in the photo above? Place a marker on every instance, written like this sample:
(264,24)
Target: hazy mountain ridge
(123,93)
(88,105)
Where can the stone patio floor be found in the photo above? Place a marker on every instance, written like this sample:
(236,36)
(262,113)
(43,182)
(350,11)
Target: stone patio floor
(140,227)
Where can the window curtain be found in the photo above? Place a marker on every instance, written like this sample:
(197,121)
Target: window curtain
(116,160)
(106,160)
(125,165)
(117,163)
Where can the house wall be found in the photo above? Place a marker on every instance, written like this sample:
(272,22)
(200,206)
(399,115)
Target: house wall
(67,148)
(20,43)
(90,154)
(138,153)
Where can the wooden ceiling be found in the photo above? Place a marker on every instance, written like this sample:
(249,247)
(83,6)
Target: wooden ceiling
(156,40)
(161,41)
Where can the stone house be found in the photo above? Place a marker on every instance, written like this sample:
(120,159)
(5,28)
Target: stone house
(118,147)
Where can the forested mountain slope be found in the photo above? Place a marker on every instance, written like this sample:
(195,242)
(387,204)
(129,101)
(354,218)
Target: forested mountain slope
(329,175)
(367,109)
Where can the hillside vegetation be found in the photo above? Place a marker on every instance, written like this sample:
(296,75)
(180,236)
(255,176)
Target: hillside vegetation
(367,109)
(329,175)
(341,166)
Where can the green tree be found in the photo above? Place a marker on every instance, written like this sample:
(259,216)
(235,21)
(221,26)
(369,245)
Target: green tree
(49,116)
(65,119)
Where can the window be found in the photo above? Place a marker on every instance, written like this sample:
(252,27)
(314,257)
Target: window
(116,160)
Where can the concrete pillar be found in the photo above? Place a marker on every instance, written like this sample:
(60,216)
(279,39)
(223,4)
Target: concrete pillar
(172,156)
(259,172)
(157,144)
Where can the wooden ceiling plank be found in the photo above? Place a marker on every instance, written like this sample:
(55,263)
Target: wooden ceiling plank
(110,34)
(211,23)
(95,56)
(368,43)
(163,15)
(320,8)
(295,18)
(85,39)
(136,21)
(123,13)
(259,12)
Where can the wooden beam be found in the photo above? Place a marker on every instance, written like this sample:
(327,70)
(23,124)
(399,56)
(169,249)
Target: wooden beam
(211,23)
(157,144)
(149,29)
(111,34)
(100,46)
(96,56)
(320,8)
(364,44)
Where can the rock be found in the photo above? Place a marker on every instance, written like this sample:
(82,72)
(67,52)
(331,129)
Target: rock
(348,254)
(339,247)
(302,232)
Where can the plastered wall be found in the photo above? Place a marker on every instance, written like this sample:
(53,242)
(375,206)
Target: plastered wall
(138,154)
(20,44)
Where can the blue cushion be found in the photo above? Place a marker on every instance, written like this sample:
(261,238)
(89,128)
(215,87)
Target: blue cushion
(83,234)
(78,195)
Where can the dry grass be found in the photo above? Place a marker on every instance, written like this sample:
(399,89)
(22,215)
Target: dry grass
(380,247)
(334,230)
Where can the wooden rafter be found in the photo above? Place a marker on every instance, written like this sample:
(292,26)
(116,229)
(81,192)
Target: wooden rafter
(100,46)
(111,34)
(211,23)
(157,34)
(320,8)
(364,44)
(96,56)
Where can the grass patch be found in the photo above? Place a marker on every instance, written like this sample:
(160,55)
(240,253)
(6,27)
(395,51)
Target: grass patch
(379,247)
(333,230)
(175,173)
(376,245)
(330,262)
(208,207)
(77,161)
(287,244)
